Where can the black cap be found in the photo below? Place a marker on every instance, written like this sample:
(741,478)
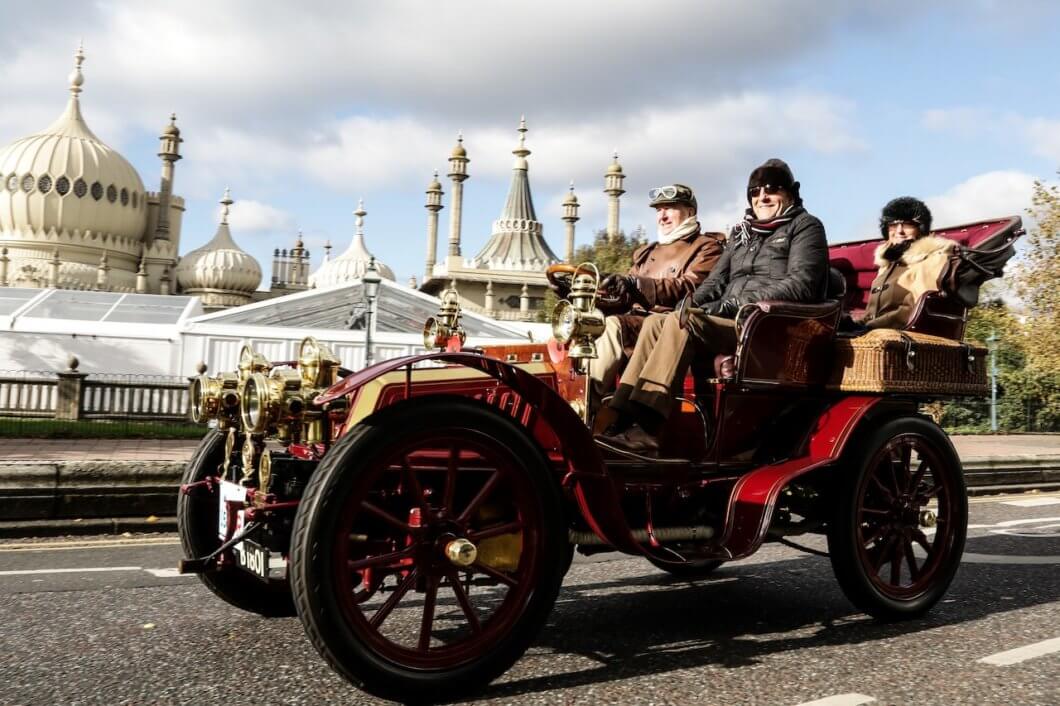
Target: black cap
(672,194)
(906,208)
(775,172)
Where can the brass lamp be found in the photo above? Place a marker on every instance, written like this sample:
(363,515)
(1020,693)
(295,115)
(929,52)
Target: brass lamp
(214,397)
(438,330)
(576,321)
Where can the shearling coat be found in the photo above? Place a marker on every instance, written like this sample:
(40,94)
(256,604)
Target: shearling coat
(900,283)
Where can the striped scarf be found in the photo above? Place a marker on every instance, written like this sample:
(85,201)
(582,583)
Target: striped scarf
(751,228)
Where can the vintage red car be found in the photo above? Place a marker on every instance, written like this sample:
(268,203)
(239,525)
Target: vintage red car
(419,515)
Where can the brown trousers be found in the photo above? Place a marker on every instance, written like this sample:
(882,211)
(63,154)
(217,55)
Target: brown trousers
(656,371)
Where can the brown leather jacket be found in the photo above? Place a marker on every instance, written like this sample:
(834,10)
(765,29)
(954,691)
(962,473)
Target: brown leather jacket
(665,274)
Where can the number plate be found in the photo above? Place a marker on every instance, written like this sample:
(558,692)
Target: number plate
(230,492)
(254,558)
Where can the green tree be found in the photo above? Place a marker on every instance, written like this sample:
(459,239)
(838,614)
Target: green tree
(1037,279)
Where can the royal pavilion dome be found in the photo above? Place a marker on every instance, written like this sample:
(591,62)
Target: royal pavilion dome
(352,264)
(64,178)
(220,273)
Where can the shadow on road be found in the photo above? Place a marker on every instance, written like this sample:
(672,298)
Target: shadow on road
(654,624)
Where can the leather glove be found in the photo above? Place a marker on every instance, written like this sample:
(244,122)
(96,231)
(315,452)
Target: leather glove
(699,296)
(620,286)
(725,308)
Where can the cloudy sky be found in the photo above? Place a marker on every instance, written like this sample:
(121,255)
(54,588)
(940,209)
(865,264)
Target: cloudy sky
(303,109)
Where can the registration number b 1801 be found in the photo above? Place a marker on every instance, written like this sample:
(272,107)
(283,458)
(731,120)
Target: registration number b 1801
(254,558)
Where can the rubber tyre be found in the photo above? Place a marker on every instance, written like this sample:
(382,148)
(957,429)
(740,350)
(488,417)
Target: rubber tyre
(313,545)
(197,524)
(692,571)
(844,531)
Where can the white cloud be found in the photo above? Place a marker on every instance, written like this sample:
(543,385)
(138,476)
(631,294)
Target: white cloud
(254,216)
(989,195)
(1044,136)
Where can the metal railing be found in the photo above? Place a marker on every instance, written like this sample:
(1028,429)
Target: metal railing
(73,404)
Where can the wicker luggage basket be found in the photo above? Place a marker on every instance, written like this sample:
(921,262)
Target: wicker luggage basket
(887,360)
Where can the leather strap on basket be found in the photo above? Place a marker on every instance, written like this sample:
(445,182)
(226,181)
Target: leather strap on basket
(968,356)
(910,351)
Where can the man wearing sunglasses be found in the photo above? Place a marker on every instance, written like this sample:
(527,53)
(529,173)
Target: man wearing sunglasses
(662,274)
(778,252)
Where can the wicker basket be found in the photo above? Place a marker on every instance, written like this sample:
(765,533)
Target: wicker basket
(887,360)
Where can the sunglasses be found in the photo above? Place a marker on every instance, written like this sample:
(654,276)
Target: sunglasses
(767,188)
(898,223)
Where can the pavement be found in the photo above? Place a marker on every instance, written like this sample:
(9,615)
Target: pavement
(970,448)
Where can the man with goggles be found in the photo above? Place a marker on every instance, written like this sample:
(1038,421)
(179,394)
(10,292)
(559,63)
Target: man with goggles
(662,274)
(778,252)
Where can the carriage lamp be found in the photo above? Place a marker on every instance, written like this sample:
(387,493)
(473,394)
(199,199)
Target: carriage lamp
(439,330)
(250,362)
(214,397)
(576,322)
(268,400)
(317,364)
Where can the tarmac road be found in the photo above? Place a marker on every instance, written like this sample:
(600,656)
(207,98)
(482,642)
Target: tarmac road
(106,620)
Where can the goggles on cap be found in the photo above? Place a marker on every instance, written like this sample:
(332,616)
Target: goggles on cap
(673,192)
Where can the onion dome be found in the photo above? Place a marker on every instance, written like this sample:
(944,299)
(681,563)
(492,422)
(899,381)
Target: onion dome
(219,273)
(352,264)
(571,199)
(614,167)
(66,178)
(458,150)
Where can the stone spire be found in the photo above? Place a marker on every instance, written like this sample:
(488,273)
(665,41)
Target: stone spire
(457,173)
(433,206)
(570,217)
(516,241)
(613,188)
(169,153)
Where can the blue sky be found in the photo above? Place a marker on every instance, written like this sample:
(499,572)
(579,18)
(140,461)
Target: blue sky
(301,111)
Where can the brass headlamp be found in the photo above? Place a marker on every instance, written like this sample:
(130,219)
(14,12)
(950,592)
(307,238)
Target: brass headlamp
(317,365)
(439,330)
(214,397)
(268,400)
(576,321)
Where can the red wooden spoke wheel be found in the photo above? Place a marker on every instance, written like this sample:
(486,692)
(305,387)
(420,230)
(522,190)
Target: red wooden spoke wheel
(901,518)
(429,549)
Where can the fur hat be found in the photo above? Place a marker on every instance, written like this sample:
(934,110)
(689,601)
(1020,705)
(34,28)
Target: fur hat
(906,208)
(775,172)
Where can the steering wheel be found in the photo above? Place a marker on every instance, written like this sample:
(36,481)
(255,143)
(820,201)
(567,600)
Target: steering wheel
(561,275)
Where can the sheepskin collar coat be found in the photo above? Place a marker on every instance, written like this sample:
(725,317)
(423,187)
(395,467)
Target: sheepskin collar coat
(900,283)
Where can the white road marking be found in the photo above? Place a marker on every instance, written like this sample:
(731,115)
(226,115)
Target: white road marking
(1014,523)
(1022,654)
(95,569)
(840,700)
(1032,502)
(972,558)
(170,573)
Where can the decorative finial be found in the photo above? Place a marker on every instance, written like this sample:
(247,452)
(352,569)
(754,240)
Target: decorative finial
(298,240)
(76,77)
(460,136)
(201,367)
(521,152)
(360,213)
(614,154)
(572,186)
(226,202)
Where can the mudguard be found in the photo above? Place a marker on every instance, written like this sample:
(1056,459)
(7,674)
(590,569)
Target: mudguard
(586,473)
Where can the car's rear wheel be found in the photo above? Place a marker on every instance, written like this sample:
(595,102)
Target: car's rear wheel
(197,517)
(900,520)
(429,549)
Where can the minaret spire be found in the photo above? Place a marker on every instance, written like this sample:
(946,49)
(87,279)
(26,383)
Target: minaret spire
(433,206)
(457,173)
(77,79)
(226,203)
(570,217)
(613,188)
